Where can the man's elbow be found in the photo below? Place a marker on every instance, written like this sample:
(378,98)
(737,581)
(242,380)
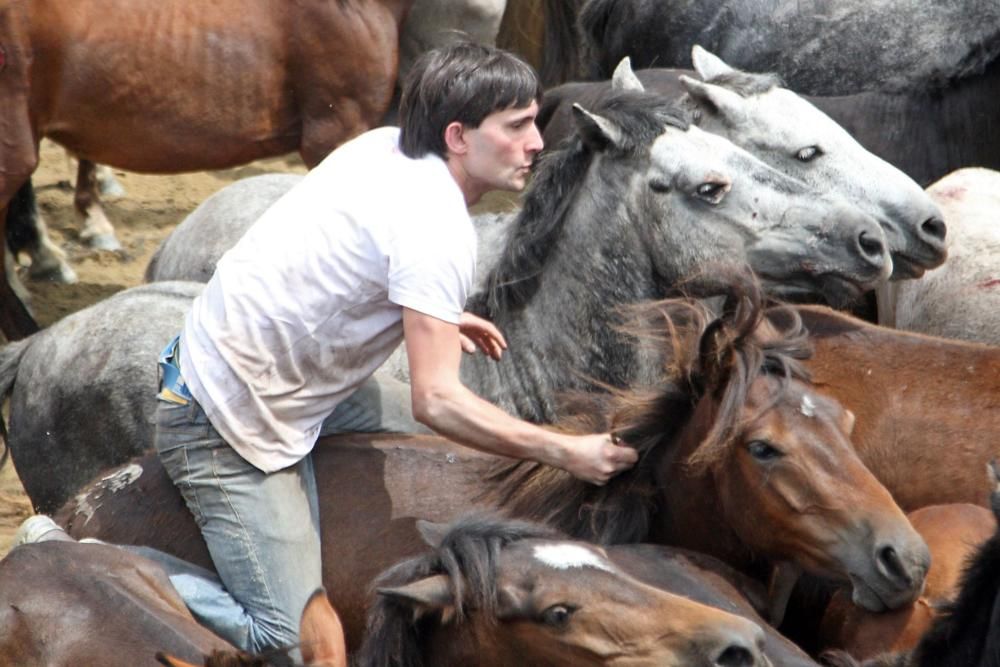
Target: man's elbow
(429,405)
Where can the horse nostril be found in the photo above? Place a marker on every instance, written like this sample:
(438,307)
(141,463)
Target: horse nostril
(735,656)
(934,228)
(871,246)
(892,565)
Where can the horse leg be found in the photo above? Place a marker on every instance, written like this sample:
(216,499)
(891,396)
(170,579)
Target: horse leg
(97,229)
(16,321)
(107,184)
(26,230)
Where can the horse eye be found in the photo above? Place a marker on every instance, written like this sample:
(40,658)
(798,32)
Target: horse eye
(660,187)
(557,615)
(711,192)
(808,154)
(764,451)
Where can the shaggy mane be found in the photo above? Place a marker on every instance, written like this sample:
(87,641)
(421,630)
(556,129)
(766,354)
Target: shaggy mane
(721,357)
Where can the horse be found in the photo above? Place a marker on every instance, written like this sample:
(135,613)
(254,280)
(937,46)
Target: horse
(787,132)
(63,603)
(202,86)
(953,534)
(959,299)
(919,400)
(656,198)
(914,82)
(964,635)
(739,459)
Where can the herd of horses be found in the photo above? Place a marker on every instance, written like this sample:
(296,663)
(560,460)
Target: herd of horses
(807,479)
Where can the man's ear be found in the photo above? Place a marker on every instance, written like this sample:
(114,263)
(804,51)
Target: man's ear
(454,138)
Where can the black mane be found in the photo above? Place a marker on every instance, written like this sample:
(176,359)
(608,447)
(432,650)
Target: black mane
(468,555)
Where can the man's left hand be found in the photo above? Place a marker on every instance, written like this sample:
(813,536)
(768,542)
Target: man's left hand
(476,332)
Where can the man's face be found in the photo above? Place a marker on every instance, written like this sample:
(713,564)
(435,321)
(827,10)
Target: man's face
(502,149)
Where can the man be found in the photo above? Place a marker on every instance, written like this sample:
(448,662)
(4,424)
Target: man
(375,246)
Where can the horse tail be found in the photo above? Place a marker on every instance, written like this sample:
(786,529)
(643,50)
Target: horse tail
(561,57)
(10,360)
(593,25)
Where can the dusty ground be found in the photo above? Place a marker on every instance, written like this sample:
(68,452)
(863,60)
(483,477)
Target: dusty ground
(142,218)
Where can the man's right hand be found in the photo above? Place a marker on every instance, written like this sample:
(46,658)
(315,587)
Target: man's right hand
(596,458)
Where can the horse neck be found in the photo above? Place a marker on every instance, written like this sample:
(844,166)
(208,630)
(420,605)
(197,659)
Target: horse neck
(690,507)
(563,338)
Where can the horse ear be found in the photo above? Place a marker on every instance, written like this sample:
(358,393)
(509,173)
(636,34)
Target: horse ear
(320,633)
(714,99)
(424,595)
(596,131)
(624,78)
(708,65)
(432,533)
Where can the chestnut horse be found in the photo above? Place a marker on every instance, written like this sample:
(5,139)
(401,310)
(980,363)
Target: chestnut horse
(927,408)
(953,533)
(740,459)
(966,632)
(187,85)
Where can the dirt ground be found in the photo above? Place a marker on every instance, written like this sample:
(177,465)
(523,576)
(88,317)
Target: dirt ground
(142,218)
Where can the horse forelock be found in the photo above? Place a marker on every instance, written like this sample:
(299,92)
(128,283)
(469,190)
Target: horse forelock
(558,177)
(651,419)
(468,555)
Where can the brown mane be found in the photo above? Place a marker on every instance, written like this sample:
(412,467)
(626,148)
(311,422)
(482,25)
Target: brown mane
(705,357)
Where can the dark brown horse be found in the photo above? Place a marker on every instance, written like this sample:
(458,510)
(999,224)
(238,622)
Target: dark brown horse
(740,458)
(186,86)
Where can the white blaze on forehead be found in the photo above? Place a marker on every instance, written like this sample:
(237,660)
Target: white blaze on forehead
(808,408)
(565,556)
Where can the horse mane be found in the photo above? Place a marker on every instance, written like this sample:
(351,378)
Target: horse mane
(705,355)
(558,176)
(468,554)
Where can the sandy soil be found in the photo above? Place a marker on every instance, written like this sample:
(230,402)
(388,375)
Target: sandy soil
(150,208)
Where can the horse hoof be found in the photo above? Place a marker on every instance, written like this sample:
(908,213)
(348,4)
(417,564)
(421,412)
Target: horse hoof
(104,242)
(56,273)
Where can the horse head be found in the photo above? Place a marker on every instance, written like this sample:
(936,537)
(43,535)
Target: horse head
(686,198)
(789,133)
(772,456)
(504,592)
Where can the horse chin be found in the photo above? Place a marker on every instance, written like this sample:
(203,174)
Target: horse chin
(904,268)
(865,597)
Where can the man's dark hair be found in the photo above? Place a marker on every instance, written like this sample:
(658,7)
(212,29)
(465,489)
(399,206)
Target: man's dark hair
(461,82)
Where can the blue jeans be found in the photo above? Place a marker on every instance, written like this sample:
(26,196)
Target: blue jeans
(262,529)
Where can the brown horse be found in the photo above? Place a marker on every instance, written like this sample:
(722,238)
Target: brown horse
(953,533)
(185,85)
(59,599)
(740,458)
(927,409)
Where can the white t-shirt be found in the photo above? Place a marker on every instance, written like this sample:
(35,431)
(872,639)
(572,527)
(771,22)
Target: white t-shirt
(308,304)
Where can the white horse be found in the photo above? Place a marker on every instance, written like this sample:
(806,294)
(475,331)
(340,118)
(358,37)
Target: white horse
(961,299)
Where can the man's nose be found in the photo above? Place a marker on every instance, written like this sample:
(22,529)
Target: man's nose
(535,143)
